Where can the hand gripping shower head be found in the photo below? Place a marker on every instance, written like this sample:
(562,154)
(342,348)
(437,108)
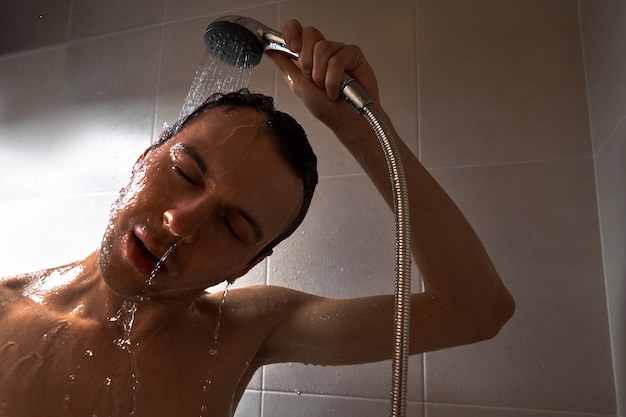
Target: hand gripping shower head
(240,41)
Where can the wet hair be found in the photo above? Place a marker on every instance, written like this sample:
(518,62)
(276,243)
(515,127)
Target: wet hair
(288,139)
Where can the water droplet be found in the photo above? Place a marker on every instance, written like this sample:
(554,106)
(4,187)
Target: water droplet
(213,352)
(298,392)
(107,382)
(89,352)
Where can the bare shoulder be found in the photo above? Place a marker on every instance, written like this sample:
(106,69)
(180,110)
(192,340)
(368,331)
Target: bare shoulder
(265,305)
(268,299)
(12,287)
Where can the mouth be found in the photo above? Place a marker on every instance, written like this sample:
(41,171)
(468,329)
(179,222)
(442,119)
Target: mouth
(138,254)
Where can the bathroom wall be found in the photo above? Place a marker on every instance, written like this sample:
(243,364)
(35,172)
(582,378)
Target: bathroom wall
(490,94)
(603,27)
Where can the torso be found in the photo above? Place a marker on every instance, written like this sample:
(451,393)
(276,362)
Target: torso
(83,367)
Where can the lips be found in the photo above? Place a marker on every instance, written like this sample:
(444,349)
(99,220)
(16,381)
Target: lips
(139,256)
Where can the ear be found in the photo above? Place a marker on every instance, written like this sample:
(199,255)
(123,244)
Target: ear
(254,262)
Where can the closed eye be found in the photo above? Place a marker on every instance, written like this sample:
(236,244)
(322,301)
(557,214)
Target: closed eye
(229,226)
(231,231)
(182,174)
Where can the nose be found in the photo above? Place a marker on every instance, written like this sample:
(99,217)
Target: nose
(186,220)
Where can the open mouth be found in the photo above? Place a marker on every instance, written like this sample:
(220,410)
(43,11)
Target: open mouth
(139,256)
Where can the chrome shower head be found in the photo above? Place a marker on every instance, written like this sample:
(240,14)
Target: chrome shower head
(240,41)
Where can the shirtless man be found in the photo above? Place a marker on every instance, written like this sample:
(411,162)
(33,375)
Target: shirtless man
(219,193)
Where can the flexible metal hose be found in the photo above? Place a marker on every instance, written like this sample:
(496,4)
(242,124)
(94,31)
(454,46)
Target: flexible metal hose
(255,38)
(402,312)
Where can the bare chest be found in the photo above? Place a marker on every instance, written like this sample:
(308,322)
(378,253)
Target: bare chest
(87,370)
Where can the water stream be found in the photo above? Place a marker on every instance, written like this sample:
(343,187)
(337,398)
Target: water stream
(159,264)
(126,316)
(213,351)
(214,76)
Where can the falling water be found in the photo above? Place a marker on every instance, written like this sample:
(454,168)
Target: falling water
(126,314)
(159,264)
(215,76)
(213,350)
(219,314)
(212,76)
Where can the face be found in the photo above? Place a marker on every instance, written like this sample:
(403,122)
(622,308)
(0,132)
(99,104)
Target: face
(218,192)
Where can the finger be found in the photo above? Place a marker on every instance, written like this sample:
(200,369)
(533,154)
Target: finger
(328,66)
(334,77)
(310,36)
(292,34)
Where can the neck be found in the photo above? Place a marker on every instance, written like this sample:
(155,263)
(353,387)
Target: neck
(85,292)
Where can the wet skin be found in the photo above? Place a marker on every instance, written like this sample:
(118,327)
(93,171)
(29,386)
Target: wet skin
(224,210)
(219,192)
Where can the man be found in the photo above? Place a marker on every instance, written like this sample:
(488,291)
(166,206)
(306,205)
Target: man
(130,331)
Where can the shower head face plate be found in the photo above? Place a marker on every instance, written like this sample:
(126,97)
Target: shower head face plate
(234,44)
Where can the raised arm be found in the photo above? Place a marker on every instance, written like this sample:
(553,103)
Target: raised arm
(464,300)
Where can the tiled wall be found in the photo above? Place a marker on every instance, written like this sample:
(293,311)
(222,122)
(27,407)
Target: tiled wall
(604,44)
(489,93)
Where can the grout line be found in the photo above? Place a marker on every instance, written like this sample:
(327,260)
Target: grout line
(550,412)
(262,394)
(164,22)
(424,408)
(417,81)
(585,73)
(69,20)
(603,249)
(609,137)
(155,130)
(508,163)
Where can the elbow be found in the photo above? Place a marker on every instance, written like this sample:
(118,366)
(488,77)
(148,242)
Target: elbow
(491,317)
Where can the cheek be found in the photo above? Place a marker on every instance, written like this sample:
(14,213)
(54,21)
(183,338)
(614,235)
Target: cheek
(216,255)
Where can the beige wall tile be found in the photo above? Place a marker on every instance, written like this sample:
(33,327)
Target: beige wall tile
(450,410)
(611,179)
(31,92)
(31,24)
(185,9)
(604,41)
(500,81)
(603,27)
(90,18)
(539,223)
(286,404)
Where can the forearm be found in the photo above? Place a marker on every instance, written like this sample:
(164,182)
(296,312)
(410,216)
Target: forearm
(454,264)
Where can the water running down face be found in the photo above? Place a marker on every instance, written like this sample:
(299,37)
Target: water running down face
(221,187)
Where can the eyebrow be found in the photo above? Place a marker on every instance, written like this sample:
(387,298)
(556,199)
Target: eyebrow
(195,155)
(206,171)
